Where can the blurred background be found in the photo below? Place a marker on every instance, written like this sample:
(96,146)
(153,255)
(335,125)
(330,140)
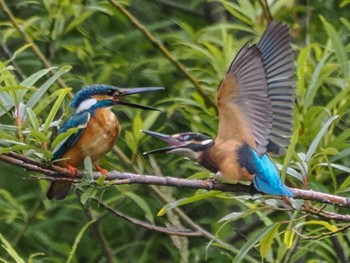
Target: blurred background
(50,49)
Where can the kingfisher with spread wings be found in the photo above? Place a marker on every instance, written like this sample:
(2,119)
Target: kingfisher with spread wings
(91,131)
(255,103)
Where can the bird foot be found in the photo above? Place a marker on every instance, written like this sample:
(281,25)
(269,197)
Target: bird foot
(211,181)
(101,170)
(72,170)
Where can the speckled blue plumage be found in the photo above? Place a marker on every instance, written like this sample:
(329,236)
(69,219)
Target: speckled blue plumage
(267,178)
(89,91)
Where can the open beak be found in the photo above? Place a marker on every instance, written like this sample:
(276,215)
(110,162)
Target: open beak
(172,142)
(130,91)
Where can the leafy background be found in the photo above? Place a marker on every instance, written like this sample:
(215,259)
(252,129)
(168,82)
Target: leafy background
(50,49)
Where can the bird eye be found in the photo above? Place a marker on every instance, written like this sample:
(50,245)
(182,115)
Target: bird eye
(111,92)
(186,137)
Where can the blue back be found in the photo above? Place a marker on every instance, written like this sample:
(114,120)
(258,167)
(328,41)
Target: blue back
(76,120)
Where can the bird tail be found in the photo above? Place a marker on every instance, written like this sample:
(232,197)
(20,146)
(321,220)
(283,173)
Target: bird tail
(275,188)
(58,190)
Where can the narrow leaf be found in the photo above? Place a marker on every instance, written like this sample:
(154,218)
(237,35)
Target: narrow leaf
(266,241)
(318,137)
(289,238)
(43,88)
(10,250)
(251,243)
(62,94)
(77,241)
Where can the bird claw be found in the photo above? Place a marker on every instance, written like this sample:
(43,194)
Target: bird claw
(211,181)
(101,170)
(72,170)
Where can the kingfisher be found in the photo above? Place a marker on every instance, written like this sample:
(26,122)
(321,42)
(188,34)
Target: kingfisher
(255,103)
(96,130)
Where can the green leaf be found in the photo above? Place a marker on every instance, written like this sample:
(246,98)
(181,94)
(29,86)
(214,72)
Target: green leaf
(43,88)
(142,204)
(19,51)
(33,119)
(266,241)
(318,137)
(339,48)
(10,250)
(325,224)
(61,95)
(289,238)
(60,139)
(248,245)
(316,81)
(78,239)
(183,201)
(88,168)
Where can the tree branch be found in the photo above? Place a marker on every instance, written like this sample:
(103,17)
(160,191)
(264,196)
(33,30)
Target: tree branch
(30,41)
(157,44)
(56,173)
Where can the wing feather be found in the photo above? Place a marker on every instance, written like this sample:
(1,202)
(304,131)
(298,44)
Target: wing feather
(76,121)
(256,97)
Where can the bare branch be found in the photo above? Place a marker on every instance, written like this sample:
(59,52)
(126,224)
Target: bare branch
(58,173)
(165,230)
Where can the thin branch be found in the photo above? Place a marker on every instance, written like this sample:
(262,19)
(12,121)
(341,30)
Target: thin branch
(56,173)
(265,7)
(29,40)
(165,230)
(327,234)
(157,44)
(326,214)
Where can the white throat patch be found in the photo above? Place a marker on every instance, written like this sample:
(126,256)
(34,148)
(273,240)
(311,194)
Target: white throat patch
(85,105)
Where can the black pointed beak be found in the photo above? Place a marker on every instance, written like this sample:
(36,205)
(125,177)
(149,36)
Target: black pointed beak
(137,106)
(131,91)
(172,142)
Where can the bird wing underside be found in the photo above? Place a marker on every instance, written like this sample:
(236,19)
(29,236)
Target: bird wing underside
(76,121)
(245,112)
(277,55)
(256,97)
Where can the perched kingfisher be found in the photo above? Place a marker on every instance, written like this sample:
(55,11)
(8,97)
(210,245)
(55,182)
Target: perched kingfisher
(97,130)
(255,104)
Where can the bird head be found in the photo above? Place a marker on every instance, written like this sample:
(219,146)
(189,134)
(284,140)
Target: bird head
(188,144)
(109,95)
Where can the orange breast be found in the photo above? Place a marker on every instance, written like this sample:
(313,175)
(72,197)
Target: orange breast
(224,155)
(96,140)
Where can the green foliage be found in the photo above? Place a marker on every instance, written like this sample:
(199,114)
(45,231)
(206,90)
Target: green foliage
(92,42)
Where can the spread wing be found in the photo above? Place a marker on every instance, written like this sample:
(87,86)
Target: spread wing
(277,55)
(255,99)
(77,121)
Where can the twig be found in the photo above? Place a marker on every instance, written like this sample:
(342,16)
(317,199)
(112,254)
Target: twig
(163,50)
(266,9)
(29,40)
(327,234)
(326,214)
(56,173)
(165,230)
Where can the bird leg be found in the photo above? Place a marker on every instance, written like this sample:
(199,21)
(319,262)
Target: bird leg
(101,170)
(72,170)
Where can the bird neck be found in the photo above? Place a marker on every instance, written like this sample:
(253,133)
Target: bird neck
(206,159)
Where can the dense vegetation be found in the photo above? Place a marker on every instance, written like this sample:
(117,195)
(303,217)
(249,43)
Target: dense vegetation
(50,49)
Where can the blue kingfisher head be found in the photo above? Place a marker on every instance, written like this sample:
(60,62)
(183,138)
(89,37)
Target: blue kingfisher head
(99,95)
